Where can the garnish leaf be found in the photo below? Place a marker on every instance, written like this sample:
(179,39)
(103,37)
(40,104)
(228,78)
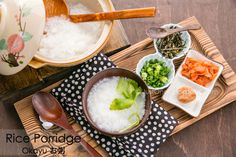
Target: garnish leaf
(130,90)
(122,87)
(134,119)
(121,103)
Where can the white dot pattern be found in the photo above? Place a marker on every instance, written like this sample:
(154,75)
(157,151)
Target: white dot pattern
(145,142)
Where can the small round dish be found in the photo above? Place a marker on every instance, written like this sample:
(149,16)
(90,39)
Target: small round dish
(184,35)
(110,73)
(168,63)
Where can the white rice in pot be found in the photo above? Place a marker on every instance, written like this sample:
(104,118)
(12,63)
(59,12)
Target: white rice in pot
(65,40)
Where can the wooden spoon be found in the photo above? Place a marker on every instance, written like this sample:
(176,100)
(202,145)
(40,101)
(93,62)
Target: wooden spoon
(59,7)
(50,110)
(56,8)
(157,32)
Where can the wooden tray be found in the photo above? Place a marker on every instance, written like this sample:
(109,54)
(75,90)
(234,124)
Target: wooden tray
(223,93)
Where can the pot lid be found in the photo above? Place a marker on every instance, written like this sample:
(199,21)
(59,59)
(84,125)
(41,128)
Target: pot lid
(21,28)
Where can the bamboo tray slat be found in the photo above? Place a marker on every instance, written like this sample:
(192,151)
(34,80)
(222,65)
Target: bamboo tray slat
(223,93)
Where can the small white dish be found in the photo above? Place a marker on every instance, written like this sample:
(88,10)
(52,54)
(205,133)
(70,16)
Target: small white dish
(168,63)
(194,107)
(184,35)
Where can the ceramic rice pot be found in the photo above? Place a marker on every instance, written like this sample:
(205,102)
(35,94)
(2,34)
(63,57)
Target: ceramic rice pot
(21,28)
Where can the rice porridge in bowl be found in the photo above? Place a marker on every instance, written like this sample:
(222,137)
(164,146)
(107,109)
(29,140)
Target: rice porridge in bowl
(116,104)
(100,100)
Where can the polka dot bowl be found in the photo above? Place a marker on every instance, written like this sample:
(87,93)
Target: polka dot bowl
(110,73)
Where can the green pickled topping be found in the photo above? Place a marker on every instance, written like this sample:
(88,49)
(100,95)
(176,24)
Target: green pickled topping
(171,45)
(155,73)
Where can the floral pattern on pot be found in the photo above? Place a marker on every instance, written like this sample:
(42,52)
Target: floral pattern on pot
(16,42)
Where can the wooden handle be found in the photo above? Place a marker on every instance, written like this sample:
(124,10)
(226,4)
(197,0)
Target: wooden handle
(185,28)
(115,15)
(85,145)
(192,27)
(55,8)
(89,149)
(189,27)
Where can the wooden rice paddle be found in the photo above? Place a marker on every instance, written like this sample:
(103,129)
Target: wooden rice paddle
(56,8)
(50,110)
(59,7)
(115,15)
